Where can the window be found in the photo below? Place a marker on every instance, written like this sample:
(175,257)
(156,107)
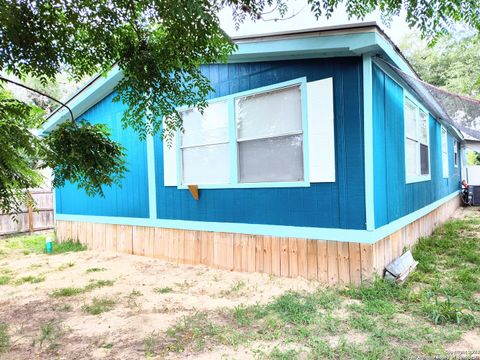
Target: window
(249,138)
(269,136)
(455,153)
(444,152)
(417,160)
(204,145)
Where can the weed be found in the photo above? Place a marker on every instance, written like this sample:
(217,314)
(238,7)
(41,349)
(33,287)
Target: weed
(68,246)
(163,290)
(278,354)
(445,311)
(327,299)
(99,305)
(4,280)
(73,291)
(246,315)
(30,279)
(194,330)
(4,338)
(65,266)
(295,308)
(50,332)
(132,299)
(234,289)
(150,344)
(95,284)
(95,269)
(67,291)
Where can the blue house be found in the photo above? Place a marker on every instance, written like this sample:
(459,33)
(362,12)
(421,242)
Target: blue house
(315,158)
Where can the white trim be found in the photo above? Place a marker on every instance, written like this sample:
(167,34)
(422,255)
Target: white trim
(409,179)
(445,160)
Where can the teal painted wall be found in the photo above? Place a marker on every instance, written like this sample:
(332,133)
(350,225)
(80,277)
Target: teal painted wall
(393,197)
(129,200)
(340,204)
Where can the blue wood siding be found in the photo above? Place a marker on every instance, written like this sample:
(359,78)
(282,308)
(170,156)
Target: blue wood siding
(331,205)
(393,197)
(129,200)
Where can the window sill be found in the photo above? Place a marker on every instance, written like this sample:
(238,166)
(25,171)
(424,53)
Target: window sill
(251,185)
(416,179)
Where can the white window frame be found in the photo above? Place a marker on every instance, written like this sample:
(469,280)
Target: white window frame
(445,160)
(418,108)
(233,141)
(455,153)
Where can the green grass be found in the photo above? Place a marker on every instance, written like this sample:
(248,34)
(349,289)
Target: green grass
(4,279)
(35,244)
(30,279)
(99,305)
(66,291)
(192,331)
(50,333)
(95,269)
(163,290)
(4,338)
(73,291)
(433,308)
(150,344)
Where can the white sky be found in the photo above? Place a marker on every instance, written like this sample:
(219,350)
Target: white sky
(305,20)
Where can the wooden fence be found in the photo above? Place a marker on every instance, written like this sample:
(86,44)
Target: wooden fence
(30,220)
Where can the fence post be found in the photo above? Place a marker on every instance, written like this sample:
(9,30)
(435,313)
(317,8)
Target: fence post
(30,220)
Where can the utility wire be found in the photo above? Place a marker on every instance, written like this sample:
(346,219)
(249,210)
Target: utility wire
(41,93)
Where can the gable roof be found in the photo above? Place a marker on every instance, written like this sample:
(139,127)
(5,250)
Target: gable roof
(333,41)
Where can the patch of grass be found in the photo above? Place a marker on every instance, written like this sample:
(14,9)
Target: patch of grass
(35,244)
(192,331)
(4,280)
(163,290)
(234,289)
(68,246)
(294,308)
(73,291)
(30,279)
(66,291)
(95,284)
(50,333)
(99,305)
(150,344)
(445,311)
(66,266)
(4,338)
(278,354)
(95,269)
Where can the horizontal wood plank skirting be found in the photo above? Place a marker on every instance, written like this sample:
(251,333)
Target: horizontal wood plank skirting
(331,262)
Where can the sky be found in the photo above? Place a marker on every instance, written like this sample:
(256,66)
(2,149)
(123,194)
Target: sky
(304,19)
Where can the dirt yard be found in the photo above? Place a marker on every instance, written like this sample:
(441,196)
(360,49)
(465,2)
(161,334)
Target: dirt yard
(78,304)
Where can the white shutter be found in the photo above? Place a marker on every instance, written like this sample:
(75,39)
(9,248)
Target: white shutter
(321,133)
(170,163)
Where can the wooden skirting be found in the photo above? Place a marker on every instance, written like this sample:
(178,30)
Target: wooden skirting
(389,248)
(329,262)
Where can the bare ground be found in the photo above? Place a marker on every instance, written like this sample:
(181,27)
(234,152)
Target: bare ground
(120,333)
